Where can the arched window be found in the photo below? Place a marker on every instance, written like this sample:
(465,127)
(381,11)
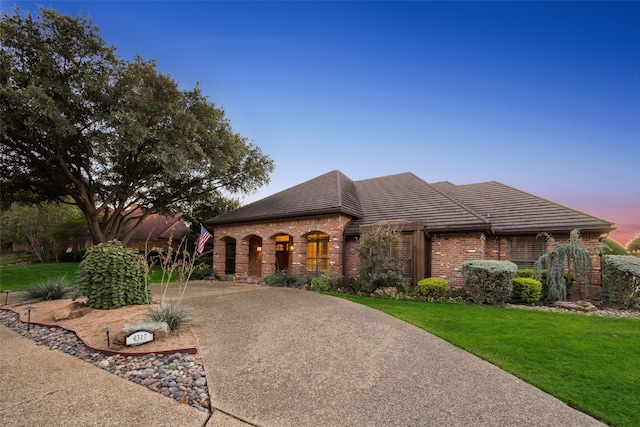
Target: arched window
(317,252)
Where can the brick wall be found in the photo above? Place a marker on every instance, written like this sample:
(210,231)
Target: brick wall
(351,257)
(497,248)
(450,250)
(251,263)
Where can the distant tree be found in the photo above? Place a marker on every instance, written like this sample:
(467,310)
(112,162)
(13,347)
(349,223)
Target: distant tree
(49,226)
(634,244)
(611,247)
(202,213)
(71,230)
(27,225)
(116,137)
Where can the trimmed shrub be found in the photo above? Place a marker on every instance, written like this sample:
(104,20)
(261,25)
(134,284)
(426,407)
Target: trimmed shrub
(488,281)
(434,288)
(284,279)
(526,290)
(325,283)
(47,291)
(112,276)
(569,279)
(620,280)
(201,271)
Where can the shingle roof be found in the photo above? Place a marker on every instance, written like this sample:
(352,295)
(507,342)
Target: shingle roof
(332,192)
(511,210)
(157,226)
(441,207)
(406,197)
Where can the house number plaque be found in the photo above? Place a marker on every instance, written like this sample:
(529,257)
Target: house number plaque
(138,337)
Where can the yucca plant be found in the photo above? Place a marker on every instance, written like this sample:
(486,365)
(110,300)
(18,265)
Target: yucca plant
(47,291)
(174,314)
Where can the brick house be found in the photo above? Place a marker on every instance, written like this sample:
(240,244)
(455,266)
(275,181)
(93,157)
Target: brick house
(157,231)
(314,227)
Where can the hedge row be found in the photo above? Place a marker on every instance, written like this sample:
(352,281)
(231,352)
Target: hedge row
(620,280)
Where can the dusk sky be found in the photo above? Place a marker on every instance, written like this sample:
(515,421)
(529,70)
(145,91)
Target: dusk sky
(542,96)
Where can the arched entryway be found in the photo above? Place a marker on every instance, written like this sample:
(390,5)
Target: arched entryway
(284,247)
(255,256)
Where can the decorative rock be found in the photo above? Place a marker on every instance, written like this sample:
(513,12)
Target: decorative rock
(160,331)
(72,311)
(388,291)
(584,306)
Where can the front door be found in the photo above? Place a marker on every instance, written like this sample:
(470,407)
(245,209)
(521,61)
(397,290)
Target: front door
(282,256)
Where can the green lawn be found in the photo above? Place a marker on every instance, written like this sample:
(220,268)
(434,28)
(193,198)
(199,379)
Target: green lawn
(16,278)
(591,363)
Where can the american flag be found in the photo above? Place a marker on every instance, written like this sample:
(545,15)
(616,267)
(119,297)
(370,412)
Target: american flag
(204,237)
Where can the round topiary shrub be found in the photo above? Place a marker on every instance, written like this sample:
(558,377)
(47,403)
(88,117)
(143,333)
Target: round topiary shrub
(489,281)
(526,290)
(434,288)
(112,276)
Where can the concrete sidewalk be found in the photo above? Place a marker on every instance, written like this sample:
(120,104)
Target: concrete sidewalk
(283,357)
(43,387)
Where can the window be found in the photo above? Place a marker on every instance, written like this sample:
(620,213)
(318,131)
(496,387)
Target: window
(524,251)
(230,257)
(401,250)
(317,251)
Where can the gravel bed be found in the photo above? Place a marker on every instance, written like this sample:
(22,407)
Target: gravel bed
(179,376)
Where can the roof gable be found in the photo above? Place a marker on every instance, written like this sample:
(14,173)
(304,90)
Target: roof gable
(332,192)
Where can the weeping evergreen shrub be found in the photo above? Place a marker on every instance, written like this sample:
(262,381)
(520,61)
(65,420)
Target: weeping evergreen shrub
(112,276)
(572,254)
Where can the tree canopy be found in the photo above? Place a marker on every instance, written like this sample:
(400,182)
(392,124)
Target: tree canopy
(633,245)
(117,137)
(611,247)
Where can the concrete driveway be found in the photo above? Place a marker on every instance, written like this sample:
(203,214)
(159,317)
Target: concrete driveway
(285,357)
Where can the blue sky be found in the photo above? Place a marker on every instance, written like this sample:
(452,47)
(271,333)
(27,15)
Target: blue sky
(542,96)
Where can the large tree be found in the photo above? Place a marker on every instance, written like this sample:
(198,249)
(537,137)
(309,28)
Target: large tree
(118,137)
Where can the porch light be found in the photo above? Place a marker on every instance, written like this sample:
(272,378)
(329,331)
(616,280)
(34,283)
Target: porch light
(259,249)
